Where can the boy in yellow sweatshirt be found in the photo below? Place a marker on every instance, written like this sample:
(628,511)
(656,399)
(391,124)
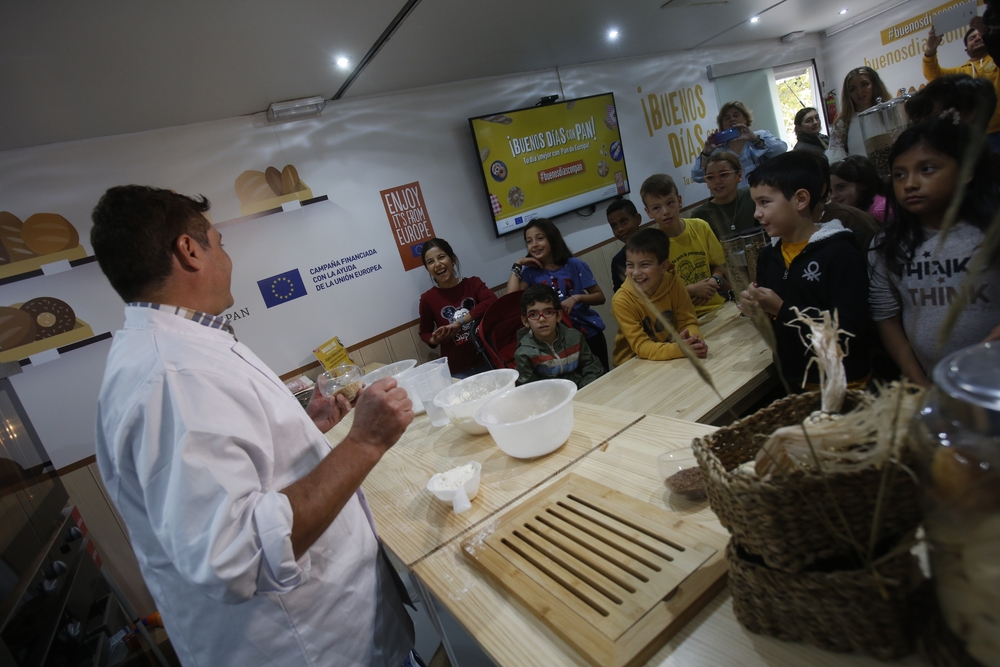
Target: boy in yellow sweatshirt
(649,271)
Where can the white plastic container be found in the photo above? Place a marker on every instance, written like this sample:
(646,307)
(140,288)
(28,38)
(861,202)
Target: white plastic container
(531,420)
(423,383)
(391,370)
(459,498)
(461,400)
(344,379)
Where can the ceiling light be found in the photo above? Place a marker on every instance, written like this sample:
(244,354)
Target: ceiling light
(293,109)
(343,62)
(842,12)
(754,19)
(613,34)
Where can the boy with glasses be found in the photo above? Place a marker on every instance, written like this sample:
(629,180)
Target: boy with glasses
(549,349)
(730,210)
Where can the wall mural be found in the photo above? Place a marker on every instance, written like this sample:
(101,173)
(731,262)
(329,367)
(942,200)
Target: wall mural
(41,239)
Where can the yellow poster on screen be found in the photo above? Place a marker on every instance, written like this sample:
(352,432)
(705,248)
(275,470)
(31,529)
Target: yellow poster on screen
(534,158)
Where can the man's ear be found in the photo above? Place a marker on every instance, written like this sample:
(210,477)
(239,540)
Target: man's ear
(188,253)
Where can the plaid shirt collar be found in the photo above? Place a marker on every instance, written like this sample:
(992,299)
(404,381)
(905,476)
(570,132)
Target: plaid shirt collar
(210,321)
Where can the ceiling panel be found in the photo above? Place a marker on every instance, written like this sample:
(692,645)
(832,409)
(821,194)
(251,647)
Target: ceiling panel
(79,70)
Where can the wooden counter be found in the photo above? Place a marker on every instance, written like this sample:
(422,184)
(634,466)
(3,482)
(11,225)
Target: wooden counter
(512,635)
(738,359)
(413,523)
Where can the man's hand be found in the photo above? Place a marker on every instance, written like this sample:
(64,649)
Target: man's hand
(702,291)
(696,344)
(993,335)
(933,42)
(326,412)
(382,414)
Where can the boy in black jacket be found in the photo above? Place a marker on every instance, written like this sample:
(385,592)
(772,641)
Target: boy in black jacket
(808,265)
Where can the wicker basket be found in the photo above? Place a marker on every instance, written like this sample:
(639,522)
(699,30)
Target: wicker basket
(788,524)
(841,610)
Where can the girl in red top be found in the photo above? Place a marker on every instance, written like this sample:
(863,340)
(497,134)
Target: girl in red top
(450,310)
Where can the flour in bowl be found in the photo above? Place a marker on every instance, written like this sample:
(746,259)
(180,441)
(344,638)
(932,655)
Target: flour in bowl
(456,477)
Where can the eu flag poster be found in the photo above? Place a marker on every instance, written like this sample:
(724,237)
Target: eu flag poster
(281,288)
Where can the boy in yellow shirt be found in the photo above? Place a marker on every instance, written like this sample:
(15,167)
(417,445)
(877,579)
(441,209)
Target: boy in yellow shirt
(695,251)
(648,270)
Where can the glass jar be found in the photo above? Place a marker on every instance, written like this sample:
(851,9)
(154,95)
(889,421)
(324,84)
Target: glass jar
(957,441)
(736,262)
(754,240)
(880,126)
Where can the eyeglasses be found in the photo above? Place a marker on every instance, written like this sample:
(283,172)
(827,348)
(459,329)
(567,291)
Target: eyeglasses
(537,314)
(712,178)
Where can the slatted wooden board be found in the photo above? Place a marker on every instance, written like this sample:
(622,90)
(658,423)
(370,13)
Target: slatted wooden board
(610,574)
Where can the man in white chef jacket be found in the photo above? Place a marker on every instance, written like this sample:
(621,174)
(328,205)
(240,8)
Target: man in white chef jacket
(251,531)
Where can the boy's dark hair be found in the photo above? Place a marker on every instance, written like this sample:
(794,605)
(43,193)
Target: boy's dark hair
(650,241)
(539,293)
(134,231)
(443,245)
(903,231)
(560,251)
(960,92)
(660,185)
(791,172)
(622,204)
(859,169)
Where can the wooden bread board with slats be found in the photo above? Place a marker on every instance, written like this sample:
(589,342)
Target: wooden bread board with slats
(613,576)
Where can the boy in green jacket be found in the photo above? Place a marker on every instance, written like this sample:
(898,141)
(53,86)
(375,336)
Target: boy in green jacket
(549,349)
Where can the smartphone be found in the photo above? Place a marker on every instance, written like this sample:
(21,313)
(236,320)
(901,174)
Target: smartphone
(720,138)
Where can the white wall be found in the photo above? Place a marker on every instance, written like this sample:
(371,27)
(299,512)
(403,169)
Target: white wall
(357,148)
(897,62)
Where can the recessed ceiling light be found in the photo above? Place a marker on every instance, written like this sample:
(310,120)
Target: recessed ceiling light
(842,12)
(613,34)
(754,19)
(343,62)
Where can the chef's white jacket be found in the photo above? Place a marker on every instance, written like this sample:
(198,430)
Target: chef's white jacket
(195,439)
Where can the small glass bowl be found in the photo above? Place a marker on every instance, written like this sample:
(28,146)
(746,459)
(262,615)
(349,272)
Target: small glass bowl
(344,379)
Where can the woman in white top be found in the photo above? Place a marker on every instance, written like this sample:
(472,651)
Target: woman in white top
(861,90)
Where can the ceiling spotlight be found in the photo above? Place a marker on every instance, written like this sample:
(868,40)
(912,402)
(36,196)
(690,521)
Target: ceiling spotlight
(613,34)
(343,62)
(842,12)
(754,19)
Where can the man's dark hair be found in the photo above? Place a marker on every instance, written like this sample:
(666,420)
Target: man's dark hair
(622,204)
(650,241)
(791,172)
(968,33)
(134,231)
(539,293)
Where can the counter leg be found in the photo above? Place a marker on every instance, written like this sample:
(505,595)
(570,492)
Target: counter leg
(428,599)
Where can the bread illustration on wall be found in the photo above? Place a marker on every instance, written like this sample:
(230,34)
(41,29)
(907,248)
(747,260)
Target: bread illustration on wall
(39,324)
(263,190)
(41,239)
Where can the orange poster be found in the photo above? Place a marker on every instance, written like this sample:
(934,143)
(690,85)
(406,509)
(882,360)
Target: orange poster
(411,226)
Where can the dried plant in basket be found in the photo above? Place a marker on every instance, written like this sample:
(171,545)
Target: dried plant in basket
(827,441)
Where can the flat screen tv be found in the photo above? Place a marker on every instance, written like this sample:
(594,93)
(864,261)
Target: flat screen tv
(542,161)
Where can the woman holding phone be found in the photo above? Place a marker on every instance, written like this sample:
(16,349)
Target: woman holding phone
(734,135)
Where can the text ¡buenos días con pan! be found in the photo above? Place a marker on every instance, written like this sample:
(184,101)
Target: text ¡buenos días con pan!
(342,270)
(552,138)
